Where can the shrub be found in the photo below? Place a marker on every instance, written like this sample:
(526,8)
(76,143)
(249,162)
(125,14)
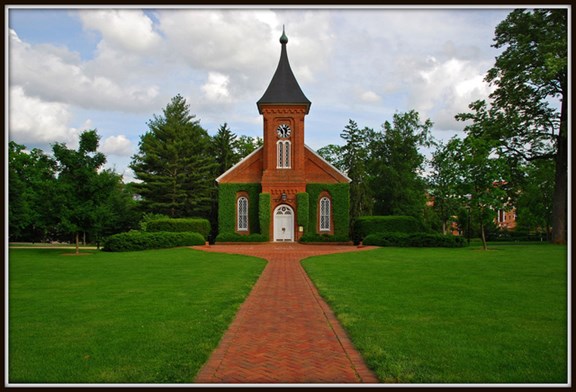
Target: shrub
(234,237)
(415,240)
(148,217)
(196,225)
(314,237)
(131,241)
(366,225)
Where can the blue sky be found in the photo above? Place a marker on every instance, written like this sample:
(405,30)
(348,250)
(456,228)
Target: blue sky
(113,69)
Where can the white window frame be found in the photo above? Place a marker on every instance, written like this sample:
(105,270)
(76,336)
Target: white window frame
(283,154)
(325,208)
(242,214)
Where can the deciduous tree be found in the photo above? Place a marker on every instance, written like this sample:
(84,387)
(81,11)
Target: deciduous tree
(528,114)
(81,193)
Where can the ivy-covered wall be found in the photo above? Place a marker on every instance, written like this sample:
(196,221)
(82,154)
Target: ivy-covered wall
(340,194)
(264,214)
(227,206)
(303,207)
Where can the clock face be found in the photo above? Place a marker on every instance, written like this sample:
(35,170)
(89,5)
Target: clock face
(283,130)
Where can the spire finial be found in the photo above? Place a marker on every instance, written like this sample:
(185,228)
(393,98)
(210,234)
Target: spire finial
(283,38)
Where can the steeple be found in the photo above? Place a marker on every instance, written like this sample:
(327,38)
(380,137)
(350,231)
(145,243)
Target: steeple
(283,89)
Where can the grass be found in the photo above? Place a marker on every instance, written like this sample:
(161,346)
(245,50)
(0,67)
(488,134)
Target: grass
(135,317)
(453,315)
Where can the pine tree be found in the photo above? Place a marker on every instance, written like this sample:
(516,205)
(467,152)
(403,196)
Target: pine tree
(223,147)
(173,164)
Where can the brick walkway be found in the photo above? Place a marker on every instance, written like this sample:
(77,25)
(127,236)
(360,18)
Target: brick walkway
(284,332)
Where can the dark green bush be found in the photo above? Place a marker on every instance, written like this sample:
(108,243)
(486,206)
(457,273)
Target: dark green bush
(135,240)
(196,225)
(233,237)
(313,237)
(366,225)
(415,240)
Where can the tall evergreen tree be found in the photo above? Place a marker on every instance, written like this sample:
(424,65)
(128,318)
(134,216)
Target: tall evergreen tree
(173,164)
(224,147)
(397,164)
(355,154)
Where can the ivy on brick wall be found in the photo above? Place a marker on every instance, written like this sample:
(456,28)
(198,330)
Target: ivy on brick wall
(264,214)
(303,207)
(340,194)
(227,206)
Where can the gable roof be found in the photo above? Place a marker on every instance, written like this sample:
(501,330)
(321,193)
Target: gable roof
(332,167)
(284,88)
(242,162)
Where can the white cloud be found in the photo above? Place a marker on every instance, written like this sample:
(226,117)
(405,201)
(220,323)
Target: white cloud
(36,121)
(370,97)
(446,89)
(127,30)
(57,75)
(117,145)
(216,88)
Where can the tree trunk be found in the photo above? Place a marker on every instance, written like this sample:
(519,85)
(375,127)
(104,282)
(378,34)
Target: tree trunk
(77,243)
(483,235)
(560,198)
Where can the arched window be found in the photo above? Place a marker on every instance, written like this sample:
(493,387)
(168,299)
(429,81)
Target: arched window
(324,214)
(242,213)
(283,153)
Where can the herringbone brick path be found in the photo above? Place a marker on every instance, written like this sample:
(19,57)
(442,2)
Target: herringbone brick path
(284,332)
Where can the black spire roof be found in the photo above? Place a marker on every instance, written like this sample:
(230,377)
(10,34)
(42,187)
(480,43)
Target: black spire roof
(283,88)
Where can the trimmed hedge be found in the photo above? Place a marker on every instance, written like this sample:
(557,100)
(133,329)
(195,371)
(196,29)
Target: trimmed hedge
(135,240)
(314,237)
(196,225)
(366,225)
(234,237)
(340,194)
(415,240)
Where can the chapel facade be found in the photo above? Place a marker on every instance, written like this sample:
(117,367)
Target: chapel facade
(284,190)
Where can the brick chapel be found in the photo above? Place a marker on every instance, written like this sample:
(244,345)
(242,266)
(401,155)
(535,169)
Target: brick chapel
(284,189)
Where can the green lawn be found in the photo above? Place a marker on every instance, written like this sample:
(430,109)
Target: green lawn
(136,317)
(453,315)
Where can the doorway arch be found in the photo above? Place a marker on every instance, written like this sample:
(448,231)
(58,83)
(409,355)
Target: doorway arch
(283,223)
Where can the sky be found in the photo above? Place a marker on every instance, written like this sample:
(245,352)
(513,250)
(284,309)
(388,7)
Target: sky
(114,69)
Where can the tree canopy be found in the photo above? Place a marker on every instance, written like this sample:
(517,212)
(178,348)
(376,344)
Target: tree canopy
(528,111)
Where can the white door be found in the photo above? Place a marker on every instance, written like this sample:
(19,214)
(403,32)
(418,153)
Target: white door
(283,223)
